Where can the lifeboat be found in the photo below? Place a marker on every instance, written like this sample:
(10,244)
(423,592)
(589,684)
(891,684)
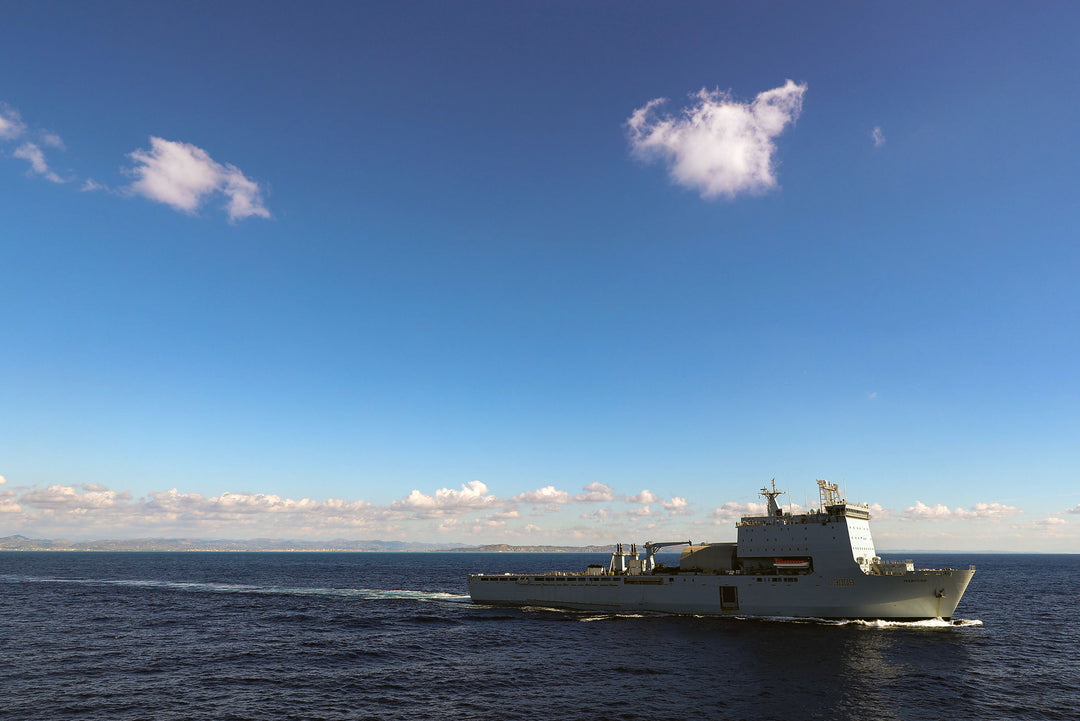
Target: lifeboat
(791,564)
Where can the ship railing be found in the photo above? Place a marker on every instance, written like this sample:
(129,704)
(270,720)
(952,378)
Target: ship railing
(795,520)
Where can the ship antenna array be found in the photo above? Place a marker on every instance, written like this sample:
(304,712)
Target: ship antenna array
(830,494)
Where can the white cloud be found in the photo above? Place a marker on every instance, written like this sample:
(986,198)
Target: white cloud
(91,505)
(879,512)
(68,498)
(646,496)
(595,493)
(60,509)
(878,136)
(32,154)
(677,506)
(237,505)
(938,512)
(544,496)
(987,510)
(11,125)
(718,146)
(634,514)
(1051,522)
(921,511)
(182,176)
(7,500)
(177,174)
(732,511)
(52,140)
(447,501)
(245,196)
(1074,510)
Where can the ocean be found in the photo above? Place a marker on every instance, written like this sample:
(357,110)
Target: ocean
(169,636)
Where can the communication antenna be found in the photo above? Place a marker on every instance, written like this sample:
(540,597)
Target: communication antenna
(829,493)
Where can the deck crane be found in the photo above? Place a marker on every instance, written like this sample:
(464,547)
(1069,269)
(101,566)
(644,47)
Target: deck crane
(651,549)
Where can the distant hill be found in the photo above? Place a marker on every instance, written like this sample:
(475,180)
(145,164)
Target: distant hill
(506,548)
(22,543)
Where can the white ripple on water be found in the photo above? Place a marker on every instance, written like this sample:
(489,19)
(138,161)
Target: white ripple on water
(585,615)
(930,623)
(609,616)
(367,594)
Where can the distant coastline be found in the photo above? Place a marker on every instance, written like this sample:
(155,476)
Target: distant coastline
(22,543)
(277,545)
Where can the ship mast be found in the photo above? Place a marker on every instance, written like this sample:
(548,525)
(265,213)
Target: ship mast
(774,510)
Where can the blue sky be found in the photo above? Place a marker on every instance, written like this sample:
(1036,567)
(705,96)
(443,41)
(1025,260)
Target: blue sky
(538,272)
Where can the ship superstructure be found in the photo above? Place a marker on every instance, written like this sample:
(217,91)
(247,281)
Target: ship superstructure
(821,564)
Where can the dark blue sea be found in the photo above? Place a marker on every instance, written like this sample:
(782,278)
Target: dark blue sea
(167,636)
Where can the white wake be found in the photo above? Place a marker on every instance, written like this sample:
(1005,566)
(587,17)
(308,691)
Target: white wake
(367,594)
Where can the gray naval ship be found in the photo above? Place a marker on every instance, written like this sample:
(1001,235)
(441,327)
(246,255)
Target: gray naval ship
(819,564)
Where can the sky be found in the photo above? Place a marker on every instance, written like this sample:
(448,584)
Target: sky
(535,273)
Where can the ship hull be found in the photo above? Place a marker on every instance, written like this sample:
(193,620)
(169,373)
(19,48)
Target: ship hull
(917,595)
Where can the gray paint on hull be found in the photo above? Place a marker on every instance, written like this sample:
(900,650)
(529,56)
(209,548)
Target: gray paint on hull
(913,596)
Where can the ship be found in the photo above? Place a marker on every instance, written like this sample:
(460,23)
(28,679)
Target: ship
(818,564)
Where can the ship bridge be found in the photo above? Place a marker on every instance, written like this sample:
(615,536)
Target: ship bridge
(835,536)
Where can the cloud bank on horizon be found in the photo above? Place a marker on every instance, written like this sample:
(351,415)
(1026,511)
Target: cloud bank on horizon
(177,174)
(471,512)
(940,512)
(718,146)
